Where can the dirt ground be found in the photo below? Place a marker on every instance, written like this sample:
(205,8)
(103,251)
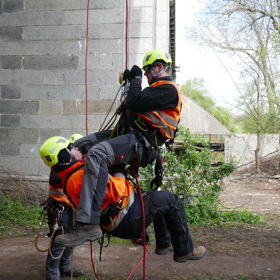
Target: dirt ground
(233,253)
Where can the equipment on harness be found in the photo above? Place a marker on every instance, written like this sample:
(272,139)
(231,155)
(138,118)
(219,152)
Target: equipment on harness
(53,210)
(159,169)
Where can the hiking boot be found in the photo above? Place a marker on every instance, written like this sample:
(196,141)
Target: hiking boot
(163,251)
(76,273)
(79,234)
(197,254)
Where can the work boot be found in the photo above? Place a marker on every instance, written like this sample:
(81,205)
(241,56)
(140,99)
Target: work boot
(197,254)
(79,234)
(76,273)
(163,251)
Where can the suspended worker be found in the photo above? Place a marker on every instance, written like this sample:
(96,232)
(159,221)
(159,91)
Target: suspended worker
(58,207)
(121,214)
(149,119)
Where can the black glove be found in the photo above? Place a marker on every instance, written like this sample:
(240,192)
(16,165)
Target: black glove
(126,74)
(135,72)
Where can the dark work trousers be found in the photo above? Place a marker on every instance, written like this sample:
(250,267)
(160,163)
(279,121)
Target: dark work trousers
(170,222)
(54,266)
(167,213)
(115,151)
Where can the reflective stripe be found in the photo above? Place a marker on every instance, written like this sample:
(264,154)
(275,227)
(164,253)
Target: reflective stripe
(162,116)
(56,192)
(165,120)
(119,217)
(160,124)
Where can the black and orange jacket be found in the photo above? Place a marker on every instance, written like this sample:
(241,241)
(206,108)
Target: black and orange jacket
(56,189)
(159,105)
(119,193)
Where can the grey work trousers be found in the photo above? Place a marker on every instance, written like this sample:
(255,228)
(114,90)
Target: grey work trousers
(115,151)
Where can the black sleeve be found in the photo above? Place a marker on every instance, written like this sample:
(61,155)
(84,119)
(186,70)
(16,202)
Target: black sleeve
(151,98)
(86,142)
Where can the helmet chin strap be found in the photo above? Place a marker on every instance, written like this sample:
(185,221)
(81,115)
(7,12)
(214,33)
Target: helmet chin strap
(155,75)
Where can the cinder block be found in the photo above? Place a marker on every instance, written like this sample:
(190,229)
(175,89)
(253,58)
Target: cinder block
(106,46)
(46,133)
(141,14)
(51,5)
(21,19)
(11,6)
(71,122)
(95,15)
(92,62)
(110,31)
(60,32)
(19,135)
(94,107)
(24,166)
(100,4)
(142,3)
(145,43)
(30,77)
(50,107)
(10,120)
(19,107)
(50,62)
(113,61)
(29,150)
(42,47)
(11,62)
(10,92)
(95,77)
(10,33)
(9,150)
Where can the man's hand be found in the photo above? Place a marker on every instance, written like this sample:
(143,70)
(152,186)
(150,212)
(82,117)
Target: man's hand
(126,75)
(135,72)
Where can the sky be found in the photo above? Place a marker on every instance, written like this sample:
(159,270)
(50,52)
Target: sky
(200,62)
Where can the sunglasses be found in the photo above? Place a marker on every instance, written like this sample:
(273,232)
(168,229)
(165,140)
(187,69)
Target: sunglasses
(148,68)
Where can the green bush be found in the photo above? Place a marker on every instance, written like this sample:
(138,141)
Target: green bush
(190,175)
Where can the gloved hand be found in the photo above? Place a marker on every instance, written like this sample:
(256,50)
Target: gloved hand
(135,72)
(126,75)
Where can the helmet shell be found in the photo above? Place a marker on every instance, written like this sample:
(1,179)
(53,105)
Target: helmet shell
(50,149)
(156,54)
(74,137)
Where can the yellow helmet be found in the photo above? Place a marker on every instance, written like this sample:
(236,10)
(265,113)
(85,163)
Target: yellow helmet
(50,149)
(74,137)
(154,55)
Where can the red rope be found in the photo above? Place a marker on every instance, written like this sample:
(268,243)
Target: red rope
(145,251)
(126,33)
(86,66)
(92,261)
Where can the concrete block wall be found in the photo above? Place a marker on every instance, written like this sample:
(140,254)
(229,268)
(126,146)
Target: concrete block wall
(240,148)
(42,68)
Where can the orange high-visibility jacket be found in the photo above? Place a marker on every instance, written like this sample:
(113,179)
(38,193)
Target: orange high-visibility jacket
(119,191)
(165,120)
(56,189)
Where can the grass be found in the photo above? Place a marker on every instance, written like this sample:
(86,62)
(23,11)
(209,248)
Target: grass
(15,218)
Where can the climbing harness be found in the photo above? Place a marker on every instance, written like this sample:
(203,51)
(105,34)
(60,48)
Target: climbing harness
(55,227)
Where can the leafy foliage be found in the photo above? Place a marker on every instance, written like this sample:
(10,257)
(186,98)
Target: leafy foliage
(190,175)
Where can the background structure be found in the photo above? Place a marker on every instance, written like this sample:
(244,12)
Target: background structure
(42,67)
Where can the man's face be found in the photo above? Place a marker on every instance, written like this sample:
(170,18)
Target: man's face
(149,73)
(76,154)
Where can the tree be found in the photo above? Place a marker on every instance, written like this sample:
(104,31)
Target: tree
(249,31)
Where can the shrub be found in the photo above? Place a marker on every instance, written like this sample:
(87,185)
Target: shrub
(190,175)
